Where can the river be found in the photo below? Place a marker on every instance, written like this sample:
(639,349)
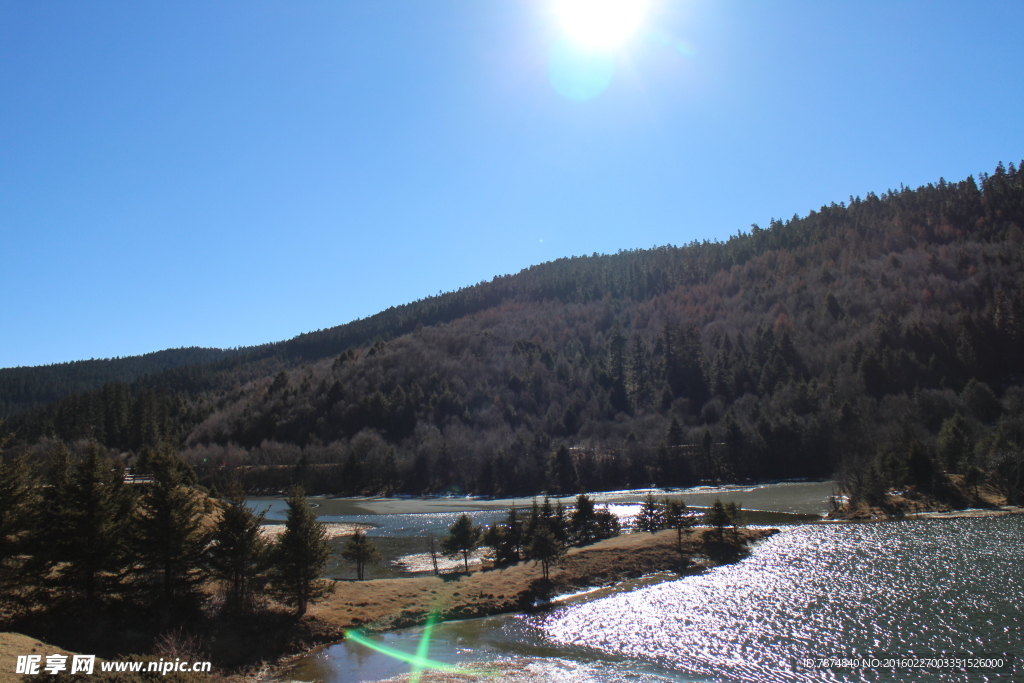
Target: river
(886,589)
(398,526)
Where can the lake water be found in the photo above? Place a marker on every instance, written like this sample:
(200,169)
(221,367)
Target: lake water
(399,526)
(919,587)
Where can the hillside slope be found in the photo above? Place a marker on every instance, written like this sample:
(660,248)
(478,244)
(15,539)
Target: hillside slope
(879,339)
(23,388)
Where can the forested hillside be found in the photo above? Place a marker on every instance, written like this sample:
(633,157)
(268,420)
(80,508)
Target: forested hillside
(877,339)
(29,387)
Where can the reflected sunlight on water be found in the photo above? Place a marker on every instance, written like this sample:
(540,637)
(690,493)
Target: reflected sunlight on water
(935,586)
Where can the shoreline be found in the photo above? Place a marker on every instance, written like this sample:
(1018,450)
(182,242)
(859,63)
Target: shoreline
(760,495)
(267,644)
(272,642)
(958,501)
(877,515)
(382,605)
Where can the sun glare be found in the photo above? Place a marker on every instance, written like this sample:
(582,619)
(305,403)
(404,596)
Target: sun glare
(600,25)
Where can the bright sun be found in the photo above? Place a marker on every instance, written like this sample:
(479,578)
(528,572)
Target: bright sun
(600,25)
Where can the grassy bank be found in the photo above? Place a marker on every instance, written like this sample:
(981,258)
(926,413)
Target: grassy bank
(240,647)
(950,495)
(385,604)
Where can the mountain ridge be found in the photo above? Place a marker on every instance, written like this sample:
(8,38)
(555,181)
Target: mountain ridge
(829,343)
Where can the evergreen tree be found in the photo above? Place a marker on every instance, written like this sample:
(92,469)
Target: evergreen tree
(352,473)
(532,522)
(560,523)
(607,523)
(551,517)
(171,536)
(677,516)
(505,538)
(239,556)
(18,520)
(618,397)
(638,367)
(670,368)
(651,516)
(734,512)
(563,472)
(90,546)
(496,537)
(300,557)
(973,477)
(48,538)
(707,452)
(674,436)
(732,456)
(389,472)
(953,444)
(545,549)
(463,537)
(515,531)
(360,550)
(583,523)
(920,467)
(718,518)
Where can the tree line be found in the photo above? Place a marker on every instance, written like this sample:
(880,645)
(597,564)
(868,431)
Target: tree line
(81,535)
(874,340)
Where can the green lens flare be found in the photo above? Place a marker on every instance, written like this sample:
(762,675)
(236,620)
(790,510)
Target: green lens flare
(421,650)
(418,661)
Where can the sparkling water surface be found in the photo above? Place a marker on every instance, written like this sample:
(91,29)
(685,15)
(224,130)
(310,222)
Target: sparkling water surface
(925,587)
(916,587)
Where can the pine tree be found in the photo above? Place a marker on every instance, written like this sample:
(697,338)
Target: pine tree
(515,531)
(560,523)
(170,534)
(953,444)
(674,436)
(532,522)
(48,538)
(360,550)
(505,538)
(389,472)
(563,472)
(677,516)
(618,397)
(300,557)
(545,548)
(18,520)
(718,518)
(734,512)
(650,517)
(607,523)
(583,522)
(91,545)
(239,556)
(463,538)
(638,368)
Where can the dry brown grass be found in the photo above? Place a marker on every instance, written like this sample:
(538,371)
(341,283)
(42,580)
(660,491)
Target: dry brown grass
(911,501)
(383,604)
(333,529)
(391,603)
(14,644)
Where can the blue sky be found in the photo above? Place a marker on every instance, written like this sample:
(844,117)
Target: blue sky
(232,173)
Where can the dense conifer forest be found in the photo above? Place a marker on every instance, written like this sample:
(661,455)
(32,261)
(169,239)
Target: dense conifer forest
(29,387)
(876,340)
